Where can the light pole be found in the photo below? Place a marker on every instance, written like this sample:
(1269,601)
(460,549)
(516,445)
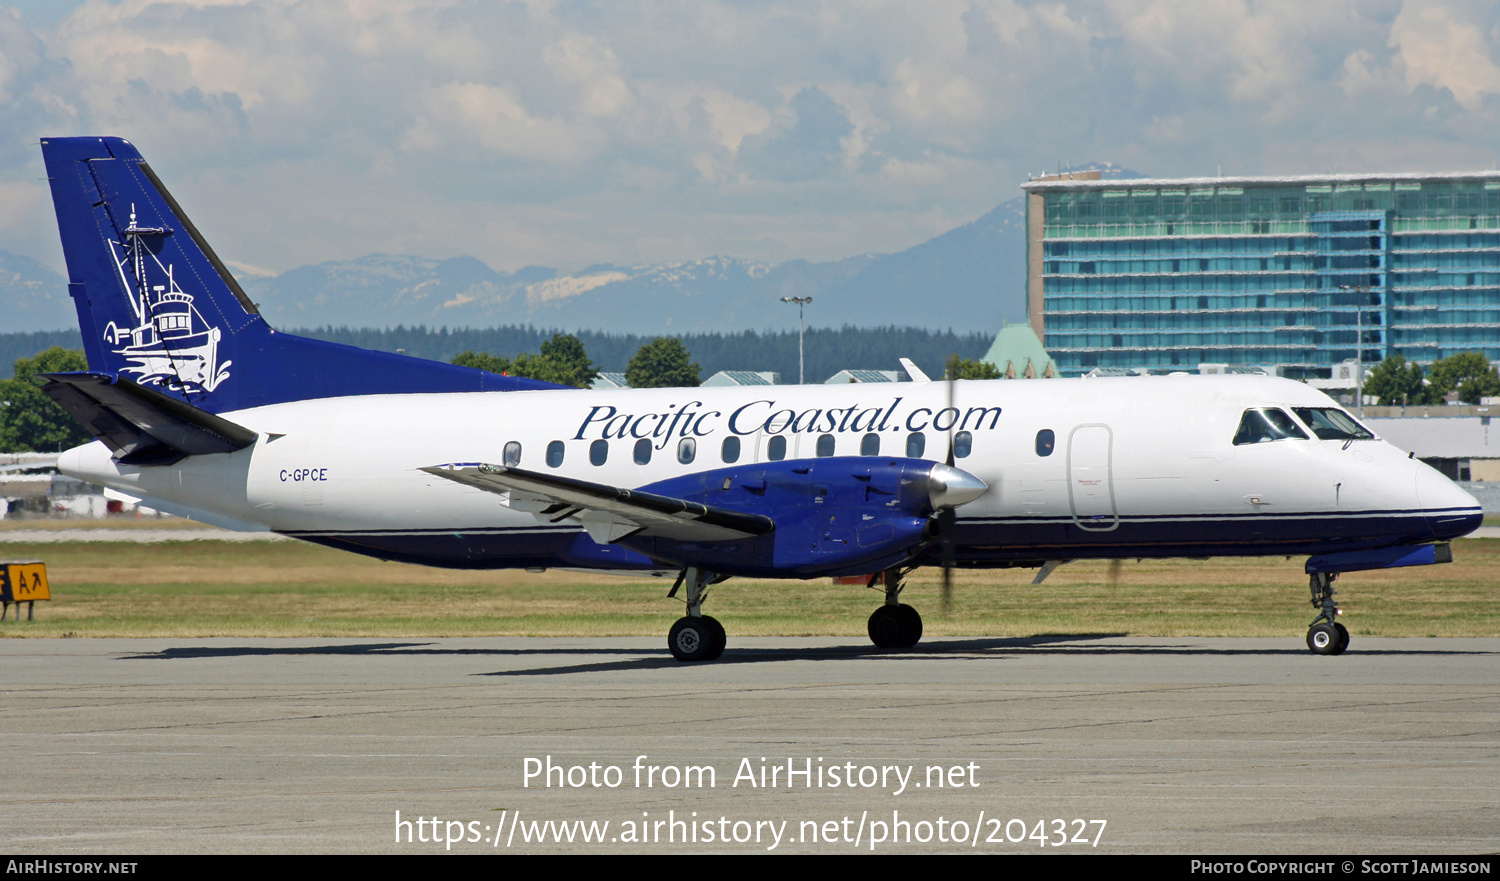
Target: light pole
(1360,291)
(801,302)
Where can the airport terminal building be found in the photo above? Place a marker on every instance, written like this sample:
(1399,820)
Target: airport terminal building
(1290,272)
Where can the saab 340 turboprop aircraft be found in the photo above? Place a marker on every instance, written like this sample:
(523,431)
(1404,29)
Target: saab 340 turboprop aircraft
(200,408)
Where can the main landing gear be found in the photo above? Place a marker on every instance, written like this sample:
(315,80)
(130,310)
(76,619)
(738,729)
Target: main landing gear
(1326,636)
(696,637)
(894,625)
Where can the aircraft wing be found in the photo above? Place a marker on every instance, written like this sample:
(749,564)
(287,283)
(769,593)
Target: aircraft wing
(608,513)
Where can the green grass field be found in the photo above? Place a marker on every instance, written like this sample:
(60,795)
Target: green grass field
(199,589)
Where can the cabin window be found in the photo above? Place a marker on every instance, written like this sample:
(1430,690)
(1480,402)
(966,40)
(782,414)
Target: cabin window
(512,454)
(1330,424)
(642,451)
(1046,442)
(825,446)
(916,445)
(1265,425)
(776,448)
(599,452)
(963,445)
(730,450)
(869,445)
(555,454)
(687,450)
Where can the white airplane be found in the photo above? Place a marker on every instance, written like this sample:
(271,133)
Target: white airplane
(201,409)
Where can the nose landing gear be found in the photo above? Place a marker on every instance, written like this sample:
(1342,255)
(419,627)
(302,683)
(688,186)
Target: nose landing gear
(1326,636)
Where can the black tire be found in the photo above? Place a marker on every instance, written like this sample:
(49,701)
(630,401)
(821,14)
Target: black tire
(895,627)
(1343,639)
(885,627)
(1323,639)
(911,626)
(720,638)
(690,640)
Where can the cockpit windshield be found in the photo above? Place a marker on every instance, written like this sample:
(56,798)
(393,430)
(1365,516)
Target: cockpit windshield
(1331,424)
(1267,424)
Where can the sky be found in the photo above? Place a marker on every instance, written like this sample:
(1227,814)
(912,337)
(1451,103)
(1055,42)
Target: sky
(565,134)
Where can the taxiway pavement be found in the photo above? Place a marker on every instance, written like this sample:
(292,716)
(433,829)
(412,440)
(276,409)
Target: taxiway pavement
(1180,745)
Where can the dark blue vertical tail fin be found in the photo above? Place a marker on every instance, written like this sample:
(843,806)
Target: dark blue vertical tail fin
(157,305)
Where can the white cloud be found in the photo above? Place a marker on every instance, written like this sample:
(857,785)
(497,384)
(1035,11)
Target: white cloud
(1440,48)
(589,64)
(570,133)
(927,93)
(494,118)
(731,118)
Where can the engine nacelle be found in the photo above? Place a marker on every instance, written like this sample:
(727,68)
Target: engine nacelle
(836,516)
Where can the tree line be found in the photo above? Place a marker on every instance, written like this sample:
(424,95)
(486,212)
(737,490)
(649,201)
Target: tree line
(1396,381)
(662,363)
(828,350)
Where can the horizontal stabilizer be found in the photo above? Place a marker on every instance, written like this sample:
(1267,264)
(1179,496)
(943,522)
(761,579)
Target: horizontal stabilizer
(609,513)
(141,425)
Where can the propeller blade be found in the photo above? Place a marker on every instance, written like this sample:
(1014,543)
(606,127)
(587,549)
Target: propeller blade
(947,520)
(952,375)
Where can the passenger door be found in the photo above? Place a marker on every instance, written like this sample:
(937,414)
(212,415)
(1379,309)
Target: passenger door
(1091,494)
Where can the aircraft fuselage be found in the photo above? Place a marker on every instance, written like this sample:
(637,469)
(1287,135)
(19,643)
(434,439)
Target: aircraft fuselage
(1132,467)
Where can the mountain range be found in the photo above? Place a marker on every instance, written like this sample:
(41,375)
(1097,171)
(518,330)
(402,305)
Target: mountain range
(969,278)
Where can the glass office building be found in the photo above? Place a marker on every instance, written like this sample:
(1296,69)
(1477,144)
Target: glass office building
(1293,272)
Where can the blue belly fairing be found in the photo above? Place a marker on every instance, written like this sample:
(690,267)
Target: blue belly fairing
(981,543)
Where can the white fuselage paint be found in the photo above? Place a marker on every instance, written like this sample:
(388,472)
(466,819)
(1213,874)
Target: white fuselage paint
(1125,447)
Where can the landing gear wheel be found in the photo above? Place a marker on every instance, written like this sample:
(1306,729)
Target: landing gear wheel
(895,627)
(911,626)
(720,638)
(696,637)
(1326,636)
(1324,639)
(690,639)
(883,627)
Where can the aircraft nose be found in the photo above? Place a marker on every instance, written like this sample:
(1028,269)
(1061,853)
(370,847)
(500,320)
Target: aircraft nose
(1451,512)
(949,487)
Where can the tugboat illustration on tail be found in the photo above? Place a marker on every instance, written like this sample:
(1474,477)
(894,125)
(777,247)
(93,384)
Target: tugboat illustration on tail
(171,345)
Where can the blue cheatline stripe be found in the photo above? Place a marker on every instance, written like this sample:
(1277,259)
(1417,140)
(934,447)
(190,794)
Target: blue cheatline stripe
(1251,517)
(963,521)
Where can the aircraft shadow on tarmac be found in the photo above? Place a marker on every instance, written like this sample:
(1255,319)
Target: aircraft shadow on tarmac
(592,660)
